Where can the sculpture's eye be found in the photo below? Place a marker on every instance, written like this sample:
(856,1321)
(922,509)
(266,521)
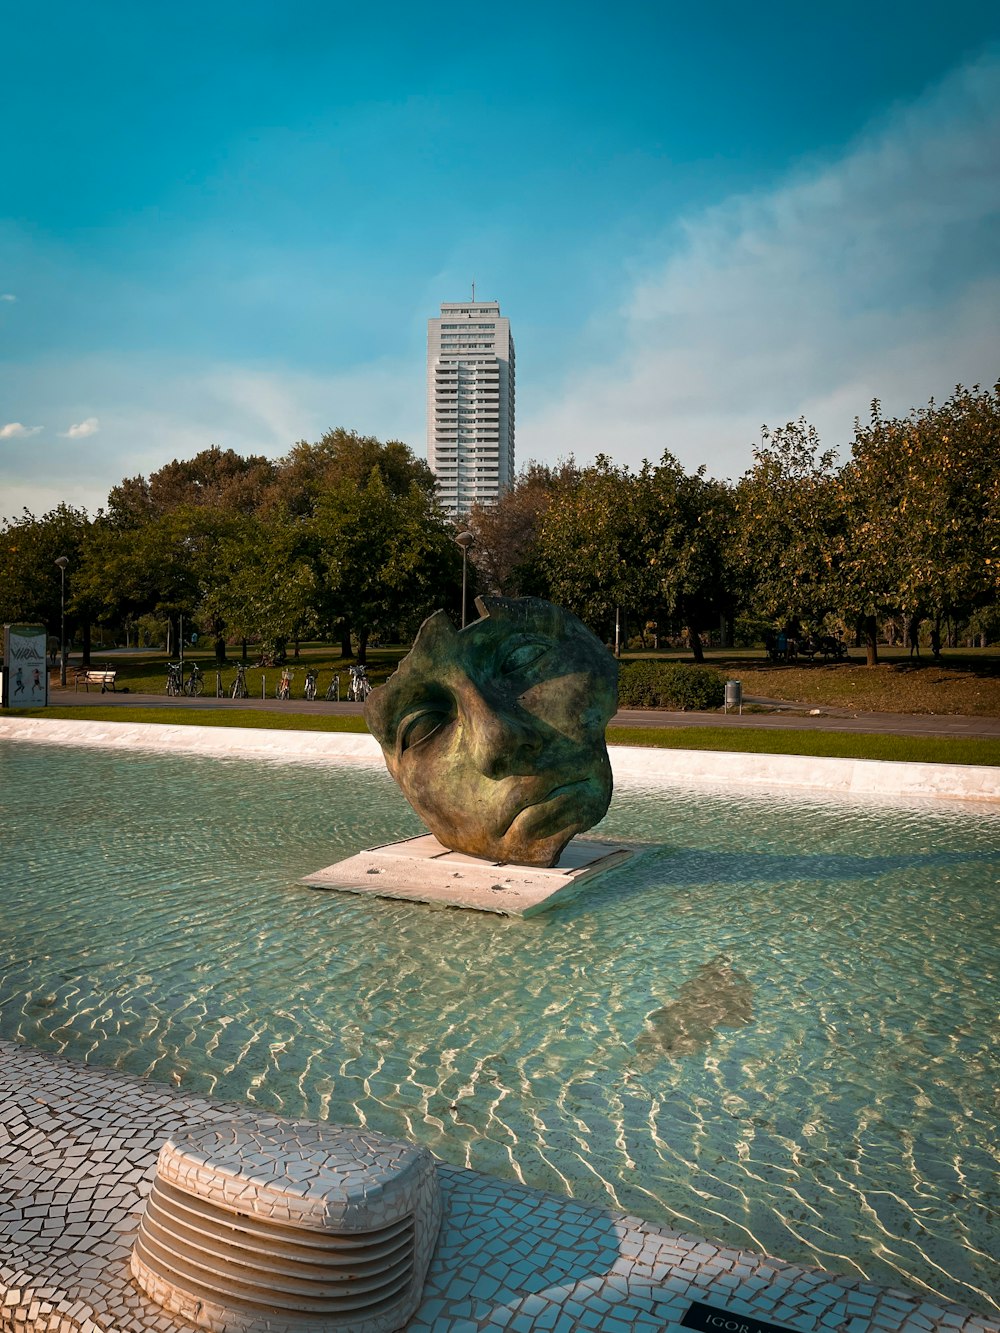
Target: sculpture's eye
(523,656)
(420,726)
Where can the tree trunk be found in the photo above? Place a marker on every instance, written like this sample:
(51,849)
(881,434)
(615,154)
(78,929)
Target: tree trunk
(871,640)
(345,641)
(694,641)
(296,647)
(362,647)
(244,657)
(220,651)
(85,637)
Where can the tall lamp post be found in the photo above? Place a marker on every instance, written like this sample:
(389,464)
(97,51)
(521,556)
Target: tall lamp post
(62,561)
(465,540)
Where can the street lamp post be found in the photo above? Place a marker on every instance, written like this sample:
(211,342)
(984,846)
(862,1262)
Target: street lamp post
(62,561)
(465,540)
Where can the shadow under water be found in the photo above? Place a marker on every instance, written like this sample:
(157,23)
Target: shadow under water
(717,996)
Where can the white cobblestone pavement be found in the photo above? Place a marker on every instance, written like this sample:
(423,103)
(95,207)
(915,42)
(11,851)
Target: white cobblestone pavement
(78,1146)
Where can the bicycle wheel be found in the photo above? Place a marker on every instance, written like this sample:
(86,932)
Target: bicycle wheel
(197,687)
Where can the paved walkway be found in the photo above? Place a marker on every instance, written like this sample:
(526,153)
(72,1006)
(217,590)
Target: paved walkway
(787,717)
(78,1147)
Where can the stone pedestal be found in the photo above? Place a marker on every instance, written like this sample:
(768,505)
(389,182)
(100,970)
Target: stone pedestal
(422,870)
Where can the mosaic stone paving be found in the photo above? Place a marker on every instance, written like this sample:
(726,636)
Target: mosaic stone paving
(77,1151)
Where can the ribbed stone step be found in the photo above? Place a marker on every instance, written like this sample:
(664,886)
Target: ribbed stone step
(261,1225)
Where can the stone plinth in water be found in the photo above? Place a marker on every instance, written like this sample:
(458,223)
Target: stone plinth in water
(423,870)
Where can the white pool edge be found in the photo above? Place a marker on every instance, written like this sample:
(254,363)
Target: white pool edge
(631,763)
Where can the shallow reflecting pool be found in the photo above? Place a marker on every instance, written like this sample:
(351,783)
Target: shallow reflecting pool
(773,1029)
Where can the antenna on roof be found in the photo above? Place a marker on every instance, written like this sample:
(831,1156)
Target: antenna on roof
(473,290)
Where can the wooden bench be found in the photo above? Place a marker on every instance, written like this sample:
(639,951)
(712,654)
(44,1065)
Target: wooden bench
(105,678)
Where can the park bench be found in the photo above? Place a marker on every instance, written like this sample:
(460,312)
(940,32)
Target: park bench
(105,678)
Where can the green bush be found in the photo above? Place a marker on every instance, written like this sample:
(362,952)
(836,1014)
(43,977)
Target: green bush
(646,684)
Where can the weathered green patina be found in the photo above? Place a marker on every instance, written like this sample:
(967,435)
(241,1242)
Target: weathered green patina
(495,733)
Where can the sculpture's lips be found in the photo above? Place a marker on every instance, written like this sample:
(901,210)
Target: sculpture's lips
(552,794)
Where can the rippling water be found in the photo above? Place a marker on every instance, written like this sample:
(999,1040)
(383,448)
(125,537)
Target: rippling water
(773,1029)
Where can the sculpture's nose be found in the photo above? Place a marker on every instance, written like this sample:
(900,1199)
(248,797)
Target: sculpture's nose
(502,738)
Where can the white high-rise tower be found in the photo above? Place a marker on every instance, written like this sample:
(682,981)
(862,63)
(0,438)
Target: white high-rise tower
(470,404)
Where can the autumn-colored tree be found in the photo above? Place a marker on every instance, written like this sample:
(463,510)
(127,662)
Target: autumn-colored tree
(309,471)
(506,551)
(220,479)
(923,496)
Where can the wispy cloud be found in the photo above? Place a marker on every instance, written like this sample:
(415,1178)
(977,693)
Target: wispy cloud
(166,409)
(7,296)
(15,431)
(82,429)
(874,275)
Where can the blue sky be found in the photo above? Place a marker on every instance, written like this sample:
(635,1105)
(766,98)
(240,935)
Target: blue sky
(228,224)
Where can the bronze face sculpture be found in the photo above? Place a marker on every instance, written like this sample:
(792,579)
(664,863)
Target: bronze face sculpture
(495,732)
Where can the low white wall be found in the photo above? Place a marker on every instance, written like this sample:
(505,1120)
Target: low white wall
(850,777)
(631,763)
(276,744)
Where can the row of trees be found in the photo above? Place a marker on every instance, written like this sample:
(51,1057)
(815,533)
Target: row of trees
(339,538)
(908,529)
(345,537)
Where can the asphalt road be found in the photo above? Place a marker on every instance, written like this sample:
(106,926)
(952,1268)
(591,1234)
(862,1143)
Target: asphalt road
(786,717)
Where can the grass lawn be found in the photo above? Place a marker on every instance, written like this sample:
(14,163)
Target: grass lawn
(910,749)
(201,717)
(829,744)
(890,687)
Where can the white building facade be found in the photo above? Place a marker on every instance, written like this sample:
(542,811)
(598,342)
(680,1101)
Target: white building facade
(470,404)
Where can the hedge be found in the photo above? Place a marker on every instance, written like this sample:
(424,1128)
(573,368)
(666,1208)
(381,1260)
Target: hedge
(648,684)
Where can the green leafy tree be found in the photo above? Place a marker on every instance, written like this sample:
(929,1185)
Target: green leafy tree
(596,545)
(789,523)
(261,584)
(384,559)
(149,570)
(30,581)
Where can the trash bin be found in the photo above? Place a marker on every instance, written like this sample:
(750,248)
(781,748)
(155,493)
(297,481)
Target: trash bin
(734,695)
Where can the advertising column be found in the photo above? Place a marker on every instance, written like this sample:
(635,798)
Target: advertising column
(25,675)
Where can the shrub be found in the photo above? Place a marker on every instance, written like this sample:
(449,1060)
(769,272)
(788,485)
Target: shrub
(646,684)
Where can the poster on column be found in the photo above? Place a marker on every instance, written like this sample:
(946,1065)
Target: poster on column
(25,675)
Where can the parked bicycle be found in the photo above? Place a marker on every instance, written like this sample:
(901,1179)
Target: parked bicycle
(284,689)
(195,683)
(360,686)
(310,686)
(333,689)
(239,689)
(175,678)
